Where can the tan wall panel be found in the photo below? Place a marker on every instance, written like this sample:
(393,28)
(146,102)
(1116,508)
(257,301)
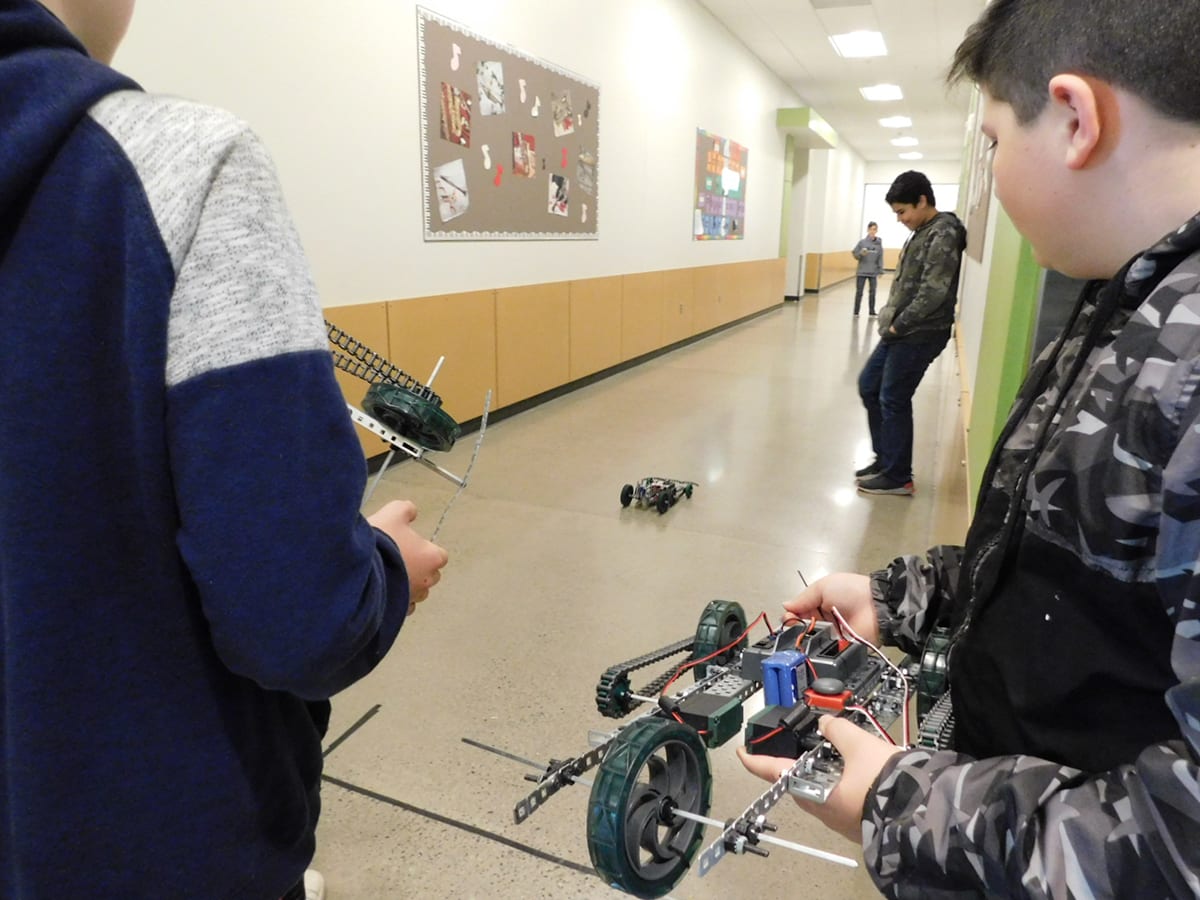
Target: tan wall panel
(641,313)
(532,340)
(729,293)
(812,271)
(774,281)
(460,327)
(366,323)
(750,287)
(679,306)
(837,268)
(823,270)
(891,258)
(595,325)
(706,290)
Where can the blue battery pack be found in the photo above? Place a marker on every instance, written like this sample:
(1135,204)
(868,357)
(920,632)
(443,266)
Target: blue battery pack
(782,683)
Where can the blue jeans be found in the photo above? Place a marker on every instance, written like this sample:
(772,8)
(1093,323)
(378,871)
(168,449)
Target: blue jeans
(858,293)
(886,385)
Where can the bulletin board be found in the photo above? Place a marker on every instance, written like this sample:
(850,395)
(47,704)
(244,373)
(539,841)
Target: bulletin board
(719,212)
(510,144)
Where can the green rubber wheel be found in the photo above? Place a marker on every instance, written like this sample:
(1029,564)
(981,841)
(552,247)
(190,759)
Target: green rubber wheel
(934,671)
(409,414)
(636,844)
(720,624)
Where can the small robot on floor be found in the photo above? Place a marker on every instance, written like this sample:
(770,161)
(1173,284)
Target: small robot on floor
(659,493)
(650,798)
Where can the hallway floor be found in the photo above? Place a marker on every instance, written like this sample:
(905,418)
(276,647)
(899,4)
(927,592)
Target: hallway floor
(550,582)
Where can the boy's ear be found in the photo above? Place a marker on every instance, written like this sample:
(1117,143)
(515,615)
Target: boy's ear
(1076,99)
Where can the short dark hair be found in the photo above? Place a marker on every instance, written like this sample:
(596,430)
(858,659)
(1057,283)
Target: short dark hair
(1017,46)
(872,224)
(910,187)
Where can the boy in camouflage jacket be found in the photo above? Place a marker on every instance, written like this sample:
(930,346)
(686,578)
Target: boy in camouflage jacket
(1074,667)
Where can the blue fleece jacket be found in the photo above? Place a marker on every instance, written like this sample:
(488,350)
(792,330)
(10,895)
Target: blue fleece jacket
(185,577)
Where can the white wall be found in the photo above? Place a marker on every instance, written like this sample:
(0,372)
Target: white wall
(332,89)
(937,171)
(834,200)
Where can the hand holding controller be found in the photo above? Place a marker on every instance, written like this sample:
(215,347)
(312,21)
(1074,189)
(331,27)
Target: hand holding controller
(834,778)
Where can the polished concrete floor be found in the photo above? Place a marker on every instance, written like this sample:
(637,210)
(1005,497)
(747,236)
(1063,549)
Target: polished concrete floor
(551,581)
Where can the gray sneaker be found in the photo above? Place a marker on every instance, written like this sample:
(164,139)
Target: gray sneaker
(881,484)
(868,471)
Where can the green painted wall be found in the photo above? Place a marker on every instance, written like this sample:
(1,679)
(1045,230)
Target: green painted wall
(1010,314)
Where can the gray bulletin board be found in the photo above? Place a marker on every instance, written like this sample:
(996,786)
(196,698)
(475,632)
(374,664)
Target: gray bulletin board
(509,144)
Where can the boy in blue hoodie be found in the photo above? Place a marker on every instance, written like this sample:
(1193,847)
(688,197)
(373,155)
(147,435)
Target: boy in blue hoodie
(186,578)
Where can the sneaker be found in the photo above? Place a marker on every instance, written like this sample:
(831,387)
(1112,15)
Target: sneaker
(881,484)
(868,471)
(314,885)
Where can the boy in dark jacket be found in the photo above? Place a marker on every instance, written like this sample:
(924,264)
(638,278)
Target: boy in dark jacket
(186,576)
(1074,665)
(913,326)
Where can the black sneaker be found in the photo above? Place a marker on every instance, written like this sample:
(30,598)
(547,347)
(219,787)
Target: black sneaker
(868,471)
(881,484)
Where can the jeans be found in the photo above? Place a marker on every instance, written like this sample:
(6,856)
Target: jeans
(886,385)
(870,279)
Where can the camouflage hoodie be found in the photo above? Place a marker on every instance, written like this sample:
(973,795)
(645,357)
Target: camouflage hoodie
(1075,668)
(921,301)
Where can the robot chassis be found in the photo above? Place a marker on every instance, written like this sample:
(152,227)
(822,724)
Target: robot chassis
(659,493)
(650,798)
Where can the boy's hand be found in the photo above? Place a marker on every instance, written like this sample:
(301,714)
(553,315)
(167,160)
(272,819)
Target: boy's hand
(849,593)
(423,559)
(864,755)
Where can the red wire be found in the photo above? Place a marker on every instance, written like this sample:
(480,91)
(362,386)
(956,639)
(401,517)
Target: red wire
(882,731)
(679,719)
(769,734)
(695,662)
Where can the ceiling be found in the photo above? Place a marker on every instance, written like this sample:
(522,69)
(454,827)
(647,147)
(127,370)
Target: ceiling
(791,37)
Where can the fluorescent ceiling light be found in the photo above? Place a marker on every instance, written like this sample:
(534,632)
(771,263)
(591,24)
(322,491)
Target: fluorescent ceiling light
(905,142)
(858,44)
(912,155)
(882,92)
(896,122)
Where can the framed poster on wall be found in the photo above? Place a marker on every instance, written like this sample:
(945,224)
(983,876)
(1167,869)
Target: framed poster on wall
(510,144)
(719,212)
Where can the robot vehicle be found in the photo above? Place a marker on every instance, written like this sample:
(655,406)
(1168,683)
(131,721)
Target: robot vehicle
(650,798)
(659,493)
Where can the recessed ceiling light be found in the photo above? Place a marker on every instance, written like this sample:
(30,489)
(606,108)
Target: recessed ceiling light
(882,92)
(858,44)
(912,155)
(896,122)
(905,142)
